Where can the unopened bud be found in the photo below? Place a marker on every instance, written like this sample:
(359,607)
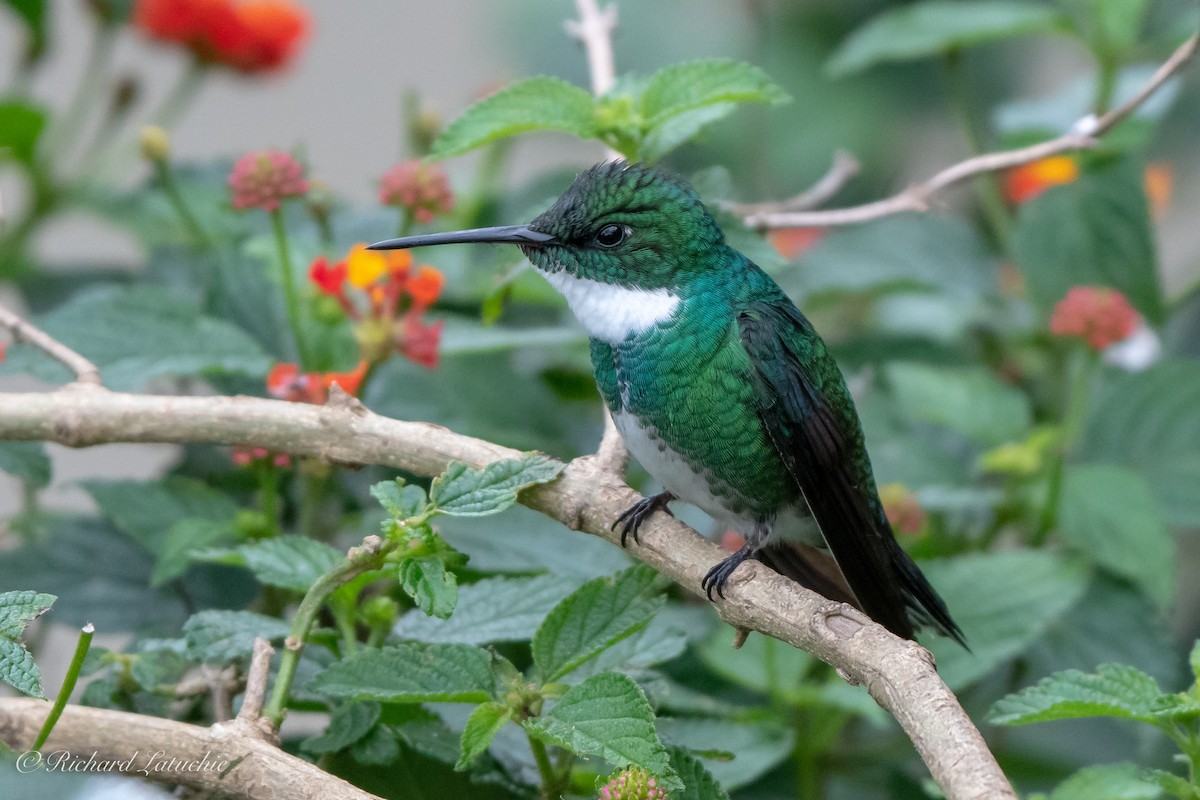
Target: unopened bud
(155,144)
(125,94)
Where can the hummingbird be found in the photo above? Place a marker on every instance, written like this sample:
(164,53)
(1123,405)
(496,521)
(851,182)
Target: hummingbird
(721,389)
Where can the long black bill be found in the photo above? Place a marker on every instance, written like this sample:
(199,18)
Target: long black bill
(508,234)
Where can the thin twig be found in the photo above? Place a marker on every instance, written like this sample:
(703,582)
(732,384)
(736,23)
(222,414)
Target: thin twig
(1084,134)
(843,169)
(23,331)
(899,674)
(256,681)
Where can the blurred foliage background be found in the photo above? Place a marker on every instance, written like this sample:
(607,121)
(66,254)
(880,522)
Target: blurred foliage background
(1038,448)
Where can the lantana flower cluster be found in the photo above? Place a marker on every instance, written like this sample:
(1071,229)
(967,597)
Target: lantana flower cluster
(266,178)
(386,297)
(632,783)
(1100,316)
(421,189)
(249,36)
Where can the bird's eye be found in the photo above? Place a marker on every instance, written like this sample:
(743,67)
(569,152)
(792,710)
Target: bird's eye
(612,235)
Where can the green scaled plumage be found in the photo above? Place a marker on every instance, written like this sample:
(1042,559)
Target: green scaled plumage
(721,388)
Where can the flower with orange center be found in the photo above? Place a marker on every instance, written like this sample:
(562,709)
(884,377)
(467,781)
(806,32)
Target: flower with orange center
(1097,314)
(902,508)
(1023,183)
(246,35)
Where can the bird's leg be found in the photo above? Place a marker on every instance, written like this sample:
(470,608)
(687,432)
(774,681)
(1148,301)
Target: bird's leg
(719,575)
(632,518)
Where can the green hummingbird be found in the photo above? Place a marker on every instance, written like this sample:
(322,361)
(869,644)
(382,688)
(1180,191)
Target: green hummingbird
(720,388)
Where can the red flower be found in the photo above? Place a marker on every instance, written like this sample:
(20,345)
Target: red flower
(425,286)
(287,382)
(328,278)
(244,455)
(420,341)
(1099,315)
(421,188)
(265,179)
(246,35)
(1023,183)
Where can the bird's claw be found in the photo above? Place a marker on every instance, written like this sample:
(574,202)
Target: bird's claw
(718,576)
(631,519)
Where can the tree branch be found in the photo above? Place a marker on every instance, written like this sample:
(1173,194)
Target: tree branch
(240,763)
(899,674)
(85,371)
(1084,134)
(843,169)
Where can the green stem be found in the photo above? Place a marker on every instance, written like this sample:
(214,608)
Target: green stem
(268,484)
(312,493)
(291,297)
(68,685)
(166,179)
(1106,85)
(1081,371)
(180,96)
(58,138)
(550,781)
(344,617)
(986,187)
(359,560)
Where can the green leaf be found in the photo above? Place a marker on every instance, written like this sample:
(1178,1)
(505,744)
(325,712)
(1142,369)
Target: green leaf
(485,722)
(534,104)
(1114,690)
(969,400)
(27,461)
(470,492)
(20,126)
(412,673)
(1093,231)
(216,637)
(379,747)
(403,501)
(698,782)
(1171,784)
(1194,660)
(289,562)
(137,333)
(1107,782)
(153,669)
(146,511)
(1110,27)
(937,27)
(348,724)
(1110,515)
(1150,421)
(595,616)
(18,608)
(430,584)
(18,669)
(182,542)
(607,716)
(692,85)
(491,610)
(757,746)
(1027,592)
(674,131)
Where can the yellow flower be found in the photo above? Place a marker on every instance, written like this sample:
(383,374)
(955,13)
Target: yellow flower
(364,267)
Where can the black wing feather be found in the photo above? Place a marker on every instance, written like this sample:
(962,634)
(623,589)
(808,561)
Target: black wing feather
(824,456)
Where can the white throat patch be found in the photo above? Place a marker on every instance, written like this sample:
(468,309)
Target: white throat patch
(609,312)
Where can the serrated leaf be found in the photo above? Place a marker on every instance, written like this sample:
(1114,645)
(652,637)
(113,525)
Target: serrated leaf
(152,669)
(217,637)
(471,492)
(182,542)
(1093,231)
(1027,592)
(18,608)
(937,27)
(490,611)
(593,617)
(1149,421)
(18,669)
(21,125)
(137,333)
(403,501)
(146,510)
(1171,784)
(27,461)
(1110,515)
(1114,690)
(970,401)
(484,723)
(430,584)
(607,716)
(674,131)
(379,747)
(698,782)
(289,562)
(348,723)
(534,104)
(412,673)
(686,87)
(1107,782)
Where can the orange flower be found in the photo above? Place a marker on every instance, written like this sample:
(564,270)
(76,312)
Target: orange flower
(246,35)
(350,382)
(425,286)
(1158,180)
(1023,183)
(287,382)
(791,242)
(1097,314)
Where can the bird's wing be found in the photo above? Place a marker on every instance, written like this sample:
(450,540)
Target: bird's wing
(797,384)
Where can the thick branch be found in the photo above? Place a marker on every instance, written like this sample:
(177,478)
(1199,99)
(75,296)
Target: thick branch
(899,674)
(240,764)
(1084,134)
(22,331)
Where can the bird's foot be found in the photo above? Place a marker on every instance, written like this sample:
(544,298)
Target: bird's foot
(632,518)
(719,575)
